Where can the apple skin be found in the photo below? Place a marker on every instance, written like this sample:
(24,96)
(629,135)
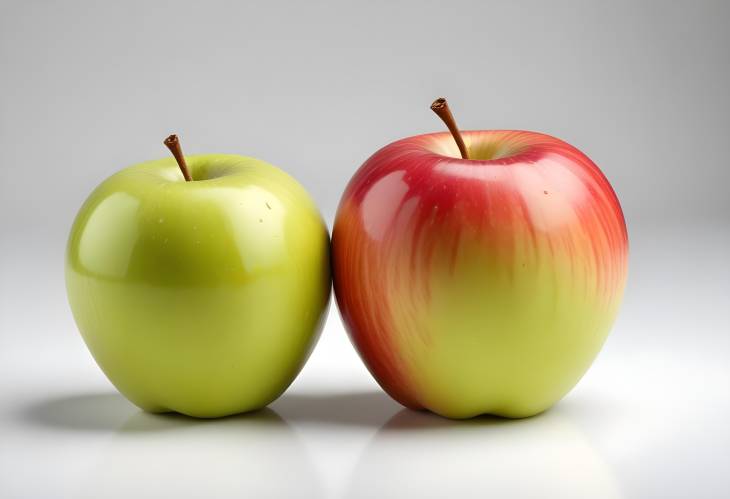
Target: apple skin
(479,286)
(202,297)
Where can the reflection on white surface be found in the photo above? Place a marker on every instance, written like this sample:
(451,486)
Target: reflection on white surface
(421,455)
(168,455)
(257,455)
(365,446)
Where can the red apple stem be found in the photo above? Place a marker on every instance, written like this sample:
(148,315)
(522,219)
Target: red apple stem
(441,108)
(173,144)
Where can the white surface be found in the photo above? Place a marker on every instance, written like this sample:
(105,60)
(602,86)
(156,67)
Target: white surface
(650,419)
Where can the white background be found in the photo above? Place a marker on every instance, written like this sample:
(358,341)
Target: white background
(87,88)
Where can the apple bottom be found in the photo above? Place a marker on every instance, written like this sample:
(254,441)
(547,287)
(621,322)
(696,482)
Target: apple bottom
(201,351)
(464,328)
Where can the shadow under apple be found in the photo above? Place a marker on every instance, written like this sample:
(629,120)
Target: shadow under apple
(419,454)
(94,412)
(110,411)
(369,408)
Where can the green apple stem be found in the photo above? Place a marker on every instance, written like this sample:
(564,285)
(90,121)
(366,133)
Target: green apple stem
(173,144)
(441,108)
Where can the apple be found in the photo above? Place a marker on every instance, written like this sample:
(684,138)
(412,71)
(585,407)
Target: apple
(483,280)
(201,293)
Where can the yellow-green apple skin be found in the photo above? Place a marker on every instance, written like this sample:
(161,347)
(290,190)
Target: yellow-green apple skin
(202,297)
(482,285)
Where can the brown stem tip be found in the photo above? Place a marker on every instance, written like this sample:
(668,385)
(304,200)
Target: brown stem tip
(173,144)
(441,108)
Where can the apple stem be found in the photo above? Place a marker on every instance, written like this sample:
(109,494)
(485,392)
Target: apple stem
(173,144)
(441,108)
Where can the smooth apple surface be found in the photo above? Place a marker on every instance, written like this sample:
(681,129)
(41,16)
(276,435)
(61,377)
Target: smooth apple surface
(478,286)
(202,297)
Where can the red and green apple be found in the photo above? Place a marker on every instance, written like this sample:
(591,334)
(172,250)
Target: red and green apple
(479,272)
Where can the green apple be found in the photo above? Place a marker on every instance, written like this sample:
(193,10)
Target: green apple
(203,297)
